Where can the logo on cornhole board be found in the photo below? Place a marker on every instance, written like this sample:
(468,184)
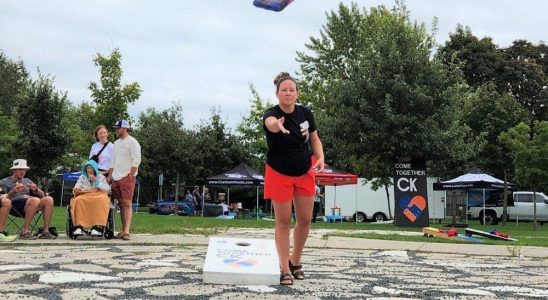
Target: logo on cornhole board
(240,263)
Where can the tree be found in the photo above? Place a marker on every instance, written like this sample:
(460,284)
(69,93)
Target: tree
(479,59)
(251,131)
(530,156)
(110,97)
(489,114)
(14,80)
(44,138)
(218,148)
(524,77)
(381,95)
(165,147)
(8,136)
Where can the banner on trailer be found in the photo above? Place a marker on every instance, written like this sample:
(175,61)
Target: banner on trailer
(410,194)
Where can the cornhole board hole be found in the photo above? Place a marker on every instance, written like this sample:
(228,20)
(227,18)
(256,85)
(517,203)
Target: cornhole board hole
(471,231)
(431,231)
(241,261)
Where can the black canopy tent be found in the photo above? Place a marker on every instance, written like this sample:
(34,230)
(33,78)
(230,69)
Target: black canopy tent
(473,179)
(242,175)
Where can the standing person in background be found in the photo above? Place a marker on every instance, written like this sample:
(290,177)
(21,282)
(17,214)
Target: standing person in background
(289,174)
(102,150)
(317,203)
(123,173)
(197,198)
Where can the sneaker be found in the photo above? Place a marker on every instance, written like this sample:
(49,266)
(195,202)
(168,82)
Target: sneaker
(6,237)
(27,236)
(47,236)
(77,231)
(95,232)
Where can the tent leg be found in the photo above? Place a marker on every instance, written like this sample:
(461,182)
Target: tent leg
(257,207)
(483,206)
(62,193)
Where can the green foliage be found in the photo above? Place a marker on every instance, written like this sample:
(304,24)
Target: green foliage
(489,114)
(43,138)
(251,131)
(218,149)
(14,79)
(529,148)
(524,77)
(8,136)
(479,59)
(379,95)
(164,144)
(110,97)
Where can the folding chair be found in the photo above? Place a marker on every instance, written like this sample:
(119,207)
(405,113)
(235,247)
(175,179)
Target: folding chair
(16,220)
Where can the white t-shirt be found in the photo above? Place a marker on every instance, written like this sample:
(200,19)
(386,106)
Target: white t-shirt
(317,195)
(127,154)
(105,159)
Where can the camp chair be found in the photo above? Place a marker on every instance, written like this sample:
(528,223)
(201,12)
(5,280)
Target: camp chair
(16,219)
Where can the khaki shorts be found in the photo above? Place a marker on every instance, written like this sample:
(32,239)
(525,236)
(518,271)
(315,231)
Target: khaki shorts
(123,189)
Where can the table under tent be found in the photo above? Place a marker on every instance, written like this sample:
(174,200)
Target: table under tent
(242,175)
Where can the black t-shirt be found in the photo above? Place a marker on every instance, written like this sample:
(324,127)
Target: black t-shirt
(289,153)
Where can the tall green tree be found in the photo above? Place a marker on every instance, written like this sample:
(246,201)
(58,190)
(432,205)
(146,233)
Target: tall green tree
(251,132)
(109,95)
(219,148)
(479,59)
(524,77)
(14,79)
(380,94)
(164,144)
(44,138)
(489,114)
(530,155)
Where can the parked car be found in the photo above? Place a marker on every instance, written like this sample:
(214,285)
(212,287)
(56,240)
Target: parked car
(520,208)
(167,208)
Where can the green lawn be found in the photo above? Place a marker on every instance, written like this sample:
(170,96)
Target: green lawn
(143,222)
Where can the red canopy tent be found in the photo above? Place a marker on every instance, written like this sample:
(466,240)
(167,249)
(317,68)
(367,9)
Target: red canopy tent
(335,177)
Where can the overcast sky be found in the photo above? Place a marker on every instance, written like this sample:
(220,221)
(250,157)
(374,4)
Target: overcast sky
(205,53)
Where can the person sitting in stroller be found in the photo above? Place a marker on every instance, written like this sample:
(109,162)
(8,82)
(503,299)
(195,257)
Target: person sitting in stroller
(90,205)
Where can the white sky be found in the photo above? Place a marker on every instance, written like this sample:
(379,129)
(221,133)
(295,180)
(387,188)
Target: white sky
(204,53)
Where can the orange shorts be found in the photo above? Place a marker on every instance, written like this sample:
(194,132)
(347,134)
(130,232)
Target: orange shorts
(283,188)
(123,189)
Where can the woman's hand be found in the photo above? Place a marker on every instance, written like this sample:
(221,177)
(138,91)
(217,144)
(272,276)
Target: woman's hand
(280,125)
(319,165)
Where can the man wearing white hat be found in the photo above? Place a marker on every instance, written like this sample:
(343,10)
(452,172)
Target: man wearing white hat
(27,198)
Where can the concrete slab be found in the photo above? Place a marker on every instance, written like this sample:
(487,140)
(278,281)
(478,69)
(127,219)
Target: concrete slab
(86,268)
(90,293)
(135,284)
(186,290)
(6,268)
(67,277)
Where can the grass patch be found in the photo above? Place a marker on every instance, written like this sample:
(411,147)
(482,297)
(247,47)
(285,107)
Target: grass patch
(143,222)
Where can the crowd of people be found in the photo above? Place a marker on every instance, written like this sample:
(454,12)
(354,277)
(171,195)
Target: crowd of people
(111,169)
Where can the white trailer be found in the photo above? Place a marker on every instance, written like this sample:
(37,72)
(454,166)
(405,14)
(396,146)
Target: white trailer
(361,201)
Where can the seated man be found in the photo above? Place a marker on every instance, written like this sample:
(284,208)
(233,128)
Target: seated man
(5,206)
(90,204)
(27,199)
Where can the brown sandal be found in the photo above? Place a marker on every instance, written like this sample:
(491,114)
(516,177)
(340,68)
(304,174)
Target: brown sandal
(285,279)
(296,271)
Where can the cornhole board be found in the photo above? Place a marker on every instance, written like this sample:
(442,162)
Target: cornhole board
(470,232)
(431,231)
(471,239)
(241,261)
